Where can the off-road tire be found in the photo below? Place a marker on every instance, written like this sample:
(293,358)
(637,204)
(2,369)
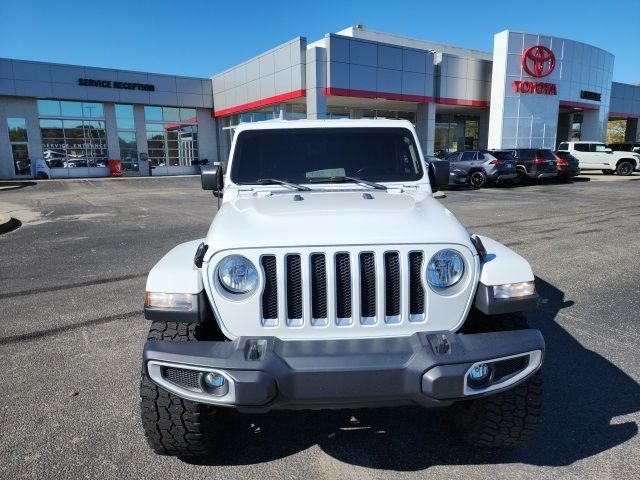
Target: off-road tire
(508,417)
(624,168)
(174,426)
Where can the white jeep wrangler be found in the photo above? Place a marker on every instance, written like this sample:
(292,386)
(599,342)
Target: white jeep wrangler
(596,156)
(331,278)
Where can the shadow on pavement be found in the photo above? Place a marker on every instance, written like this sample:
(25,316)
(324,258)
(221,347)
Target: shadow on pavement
(576,423)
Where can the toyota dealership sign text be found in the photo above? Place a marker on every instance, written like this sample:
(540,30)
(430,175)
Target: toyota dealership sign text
(537,61)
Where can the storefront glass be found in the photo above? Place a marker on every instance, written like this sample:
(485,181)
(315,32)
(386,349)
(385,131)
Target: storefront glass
(125,124)
(456,132)
(172,136)
(73,134)
(19,146)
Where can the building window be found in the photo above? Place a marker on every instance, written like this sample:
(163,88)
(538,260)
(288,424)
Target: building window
(73,134)
(19,146)
(455,133)
(126,128)
(172,135)
(295,111)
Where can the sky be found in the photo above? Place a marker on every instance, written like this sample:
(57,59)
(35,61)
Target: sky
(201,38)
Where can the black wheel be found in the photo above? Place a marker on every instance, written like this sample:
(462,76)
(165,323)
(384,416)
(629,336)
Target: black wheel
(174,426)
(624,168)
(477,179)
(608,172)
(508,417)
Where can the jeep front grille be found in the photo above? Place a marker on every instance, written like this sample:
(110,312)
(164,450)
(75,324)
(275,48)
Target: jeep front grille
(368,288)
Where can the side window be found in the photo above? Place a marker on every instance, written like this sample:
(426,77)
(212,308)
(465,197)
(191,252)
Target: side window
(452,157)
(598,147)
(467,156)
(563,146)
(481,156)
(581,147)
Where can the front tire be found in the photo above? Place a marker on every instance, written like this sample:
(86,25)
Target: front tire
(624,168)
(508,417)
(172,425)
(477,179)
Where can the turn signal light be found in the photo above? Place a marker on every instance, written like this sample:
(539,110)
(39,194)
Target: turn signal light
(180,301)
(511,290)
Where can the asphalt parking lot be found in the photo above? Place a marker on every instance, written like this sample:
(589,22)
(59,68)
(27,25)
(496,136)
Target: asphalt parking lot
(71,292)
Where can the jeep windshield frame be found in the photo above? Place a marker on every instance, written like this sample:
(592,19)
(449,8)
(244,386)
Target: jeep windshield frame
(310,155)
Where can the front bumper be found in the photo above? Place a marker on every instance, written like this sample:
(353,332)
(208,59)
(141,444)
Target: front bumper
(266,373)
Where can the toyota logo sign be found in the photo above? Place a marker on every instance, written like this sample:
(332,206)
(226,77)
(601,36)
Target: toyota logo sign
(538,61)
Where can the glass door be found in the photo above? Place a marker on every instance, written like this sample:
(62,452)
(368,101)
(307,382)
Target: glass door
(19,147)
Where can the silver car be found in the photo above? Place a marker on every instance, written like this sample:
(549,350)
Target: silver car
(483,167)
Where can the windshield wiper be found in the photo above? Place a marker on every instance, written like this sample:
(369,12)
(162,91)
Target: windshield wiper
(276,181)
(342,178)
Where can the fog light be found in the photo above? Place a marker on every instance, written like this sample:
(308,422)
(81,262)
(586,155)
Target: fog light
(479,375)
(215,383)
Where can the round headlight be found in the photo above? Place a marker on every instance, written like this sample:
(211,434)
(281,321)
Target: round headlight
(237,274)
(445,269)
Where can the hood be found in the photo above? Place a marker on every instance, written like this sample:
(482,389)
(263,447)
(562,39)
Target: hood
(333,218)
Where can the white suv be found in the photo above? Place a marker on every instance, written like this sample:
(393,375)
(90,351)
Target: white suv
(596,156)
(331,278)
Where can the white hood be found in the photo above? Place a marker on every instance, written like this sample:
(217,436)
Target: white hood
(333,218)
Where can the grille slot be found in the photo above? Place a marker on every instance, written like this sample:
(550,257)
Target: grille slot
(182,377)
(507,368)
(416,290)
(318,287)
(367,288)
(343,288)
(270,294)
(392,286)
(294,289)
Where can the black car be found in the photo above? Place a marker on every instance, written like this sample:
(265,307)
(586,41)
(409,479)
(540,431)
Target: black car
(533,163)
(568,165)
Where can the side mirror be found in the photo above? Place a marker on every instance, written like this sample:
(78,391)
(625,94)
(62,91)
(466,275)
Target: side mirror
(439,174)
(212,178)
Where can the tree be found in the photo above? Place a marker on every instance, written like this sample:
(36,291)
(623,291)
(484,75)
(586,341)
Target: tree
(616,130)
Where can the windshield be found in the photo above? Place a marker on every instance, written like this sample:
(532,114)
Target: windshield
(301,155)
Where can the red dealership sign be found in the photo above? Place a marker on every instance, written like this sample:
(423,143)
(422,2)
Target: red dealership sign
(537,61)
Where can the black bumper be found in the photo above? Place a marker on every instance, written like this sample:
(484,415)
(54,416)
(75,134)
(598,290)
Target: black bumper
(426,368)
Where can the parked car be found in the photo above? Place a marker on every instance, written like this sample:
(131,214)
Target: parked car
(625,147)
(457,177)
(568,165)
(322,284)
(482,167)
(596,156)
(532,163)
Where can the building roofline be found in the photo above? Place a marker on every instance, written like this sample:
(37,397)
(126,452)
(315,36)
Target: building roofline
(106,69)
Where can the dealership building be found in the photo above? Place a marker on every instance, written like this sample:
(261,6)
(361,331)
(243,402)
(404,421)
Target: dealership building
(532,91)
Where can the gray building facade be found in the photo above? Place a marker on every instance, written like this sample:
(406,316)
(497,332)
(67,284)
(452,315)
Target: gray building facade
(533,90)
(75,118)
